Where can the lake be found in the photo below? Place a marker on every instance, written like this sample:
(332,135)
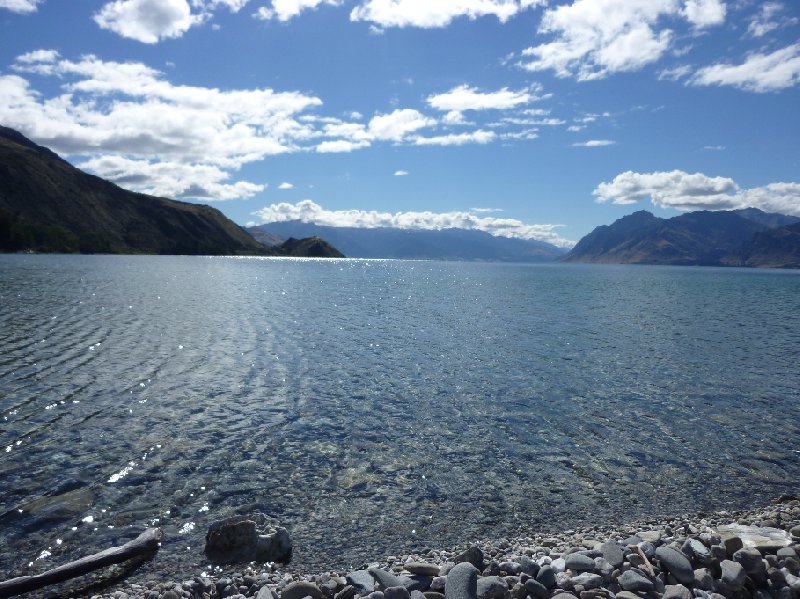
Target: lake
(372,407)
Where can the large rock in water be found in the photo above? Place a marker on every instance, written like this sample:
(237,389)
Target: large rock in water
(238,539)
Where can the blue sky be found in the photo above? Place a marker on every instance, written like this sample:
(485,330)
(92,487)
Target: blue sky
(523,118)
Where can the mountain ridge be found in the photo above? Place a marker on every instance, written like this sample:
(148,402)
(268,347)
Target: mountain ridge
(421,244)
(745,237)
(48,205)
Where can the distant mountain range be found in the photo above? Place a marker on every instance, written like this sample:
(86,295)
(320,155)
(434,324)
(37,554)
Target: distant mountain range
(747,237)
(410,244)
(47,205)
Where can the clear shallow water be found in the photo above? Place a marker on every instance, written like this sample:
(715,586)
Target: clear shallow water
(376,406)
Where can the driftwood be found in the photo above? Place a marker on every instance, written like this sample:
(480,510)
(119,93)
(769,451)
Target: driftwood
(146,543)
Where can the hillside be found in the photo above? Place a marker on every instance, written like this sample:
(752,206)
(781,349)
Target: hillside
(446,244)
(747,237)
(47,205)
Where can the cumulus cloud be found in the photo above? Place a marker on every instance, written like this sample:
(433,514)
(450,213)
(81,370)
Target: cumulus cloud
(595,38)
(20,6)
(594,143)
(436,13)
(684,191)
(397,124)
(115,110)
(147,21)
(285,185)
(464,97)
(759,73)
(285,10)
(311,212)
(199,181)
(401,173)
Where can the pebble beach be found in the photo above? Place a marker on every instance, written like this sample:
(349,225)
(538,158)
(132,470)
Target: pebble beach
(718,555)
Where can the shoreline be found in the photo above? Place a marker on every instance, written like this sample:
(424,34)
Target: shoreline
(628,561)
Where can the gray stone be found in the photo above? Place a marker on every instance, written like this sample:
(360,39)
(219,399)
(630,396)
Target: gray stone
(751,560)
(462,582)
(362,580)
(634,580)
(693,548)
(559,564)
(438,583)
(795,531)
(762,538)
(474,556)
(509,567)
(433,595)
(171,595)
(627,595)
(536,589)
(528,566)
(733,575)
(400,592)
(602,566)
(492,587)
(676,591)
(547,577)
(237,539)
(564,581)
(300,589)
(563,595)
(422,568)
(417,595)
(348,592)
(676,564)
(518,591)
(703,579)
(375,595)
(416,583)
(588,580)
(785,552)
(648,549)
(612,553)
(650,536)
(578,562)
(793,581)
(264,593)
(384,579)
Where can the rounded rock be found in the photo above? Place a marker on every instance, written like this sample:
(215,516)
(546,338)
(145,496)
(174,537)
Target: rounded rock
(676,563)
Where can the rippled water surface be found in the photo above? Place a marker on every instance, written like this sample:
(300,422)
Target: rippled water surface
(376,406)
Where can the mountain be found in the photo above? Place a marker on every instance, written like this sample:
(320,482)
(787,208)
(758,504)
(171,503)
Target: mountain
(47,205)
(748,237)
(310,247)
(774,248)
(445,244)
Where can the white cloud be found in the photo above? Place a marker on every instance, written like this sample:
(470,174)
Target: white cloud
(594,143)
(309,211)
(485,210)
(594,38)
(457,139)
(108,109)
(768,19)
(576,128)
(463,98)
(339,146)
(38,56)
(285,10)
(684,191)
(759,73)
(704,13)
(436,13)
(20,6)
(147,21)
(675,73)
(401,173)
(170,179)
(285,185)
(397,124)
(232,5)
(714,148)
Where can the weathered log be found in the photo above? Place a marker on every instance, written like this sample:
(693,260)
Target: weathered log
(146,543)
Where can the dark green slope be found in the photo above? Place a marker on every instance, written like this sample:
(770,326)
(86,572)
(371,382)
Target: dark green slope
(48,205)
